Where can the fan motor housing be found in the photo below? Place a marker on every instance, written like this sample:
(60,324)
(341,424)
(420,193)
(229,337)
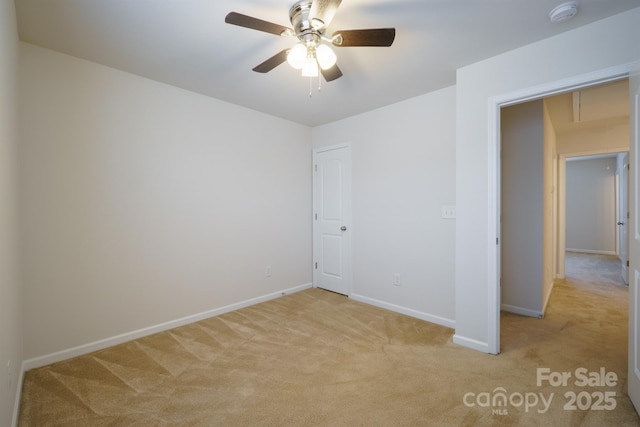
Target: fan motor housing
(299,17)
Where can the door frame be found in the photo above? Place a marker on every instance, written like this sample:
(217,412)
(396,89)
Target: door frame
(633,367)
(495,104)
(562,204)
(623,182)
(349,222)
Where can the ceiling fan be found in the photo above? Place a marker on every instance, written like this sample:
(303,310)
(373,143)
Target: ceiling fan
(312,53)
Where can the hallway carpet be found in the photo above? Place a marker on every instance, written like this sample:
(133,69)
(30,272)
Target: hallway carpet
(316,358)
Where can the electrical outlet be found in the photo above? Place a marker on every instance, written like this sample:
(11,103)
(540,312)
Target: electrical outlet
(449,212)
(267,271)
(397,279)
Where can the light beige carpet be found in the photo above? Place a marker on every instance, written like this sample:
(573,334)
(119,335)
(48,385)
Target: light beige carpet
(319,359)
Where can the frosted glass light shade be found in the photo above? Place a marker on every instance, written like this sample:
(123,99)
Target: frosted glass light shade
(326,57)
(310,67)
(297,56)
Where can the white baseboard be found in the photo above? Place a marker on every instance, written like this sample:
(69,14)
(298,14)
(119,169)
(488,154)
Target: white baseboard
(16,404)
(37,362)
(589,251)
(521,311)
(406,311)
(471,343)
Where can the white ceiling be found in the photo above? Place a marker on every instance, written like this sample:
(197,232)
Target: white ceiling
(186,43)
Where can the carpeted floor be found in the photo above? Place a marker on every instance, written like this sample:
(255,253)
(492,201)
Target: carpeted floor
(316,358)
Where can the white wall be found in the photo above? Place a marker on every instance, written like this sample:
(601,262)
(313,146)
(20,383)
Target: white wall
(144,203)
(403,173)
(606,43)
(10,289)
(527,207)
(522,158)
(591,210)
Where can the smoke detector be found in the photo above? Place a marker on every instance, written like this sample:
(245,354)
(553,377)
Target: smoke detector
(563,12)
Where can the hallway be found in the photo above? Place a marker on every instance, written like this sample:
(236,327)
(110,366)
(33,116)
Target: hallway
(581,268)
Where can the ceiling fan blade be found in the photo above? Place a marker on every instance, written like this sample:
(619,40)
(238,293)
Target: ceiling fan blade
(322,12)
(272,62)
(332,73)
(256,24)
(370,37)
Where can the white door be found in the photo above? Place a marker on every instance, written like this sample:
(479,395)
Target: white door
(623,219)
(332,215)
(633,385)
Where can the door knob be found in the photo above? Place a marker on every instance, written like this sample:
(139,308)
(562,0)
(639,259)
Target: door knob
(343,228)
(621,223)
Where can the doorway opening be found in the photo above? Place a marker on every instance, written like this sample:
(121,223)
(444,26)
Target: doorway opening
(534,176)
(594,210)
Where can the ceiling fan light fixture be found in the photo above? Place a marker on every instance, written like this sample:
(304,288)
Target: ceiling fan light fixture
(313,53)
(297,56)
(326,57)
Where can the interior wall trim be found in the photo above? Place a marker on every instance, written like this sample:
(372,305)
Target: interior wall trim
(521,311)
(442,321)
(471,343)
(591,251)
(58,356)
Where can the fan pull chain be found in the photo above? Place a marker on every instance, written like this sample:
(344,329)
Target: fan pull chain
(311,83)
